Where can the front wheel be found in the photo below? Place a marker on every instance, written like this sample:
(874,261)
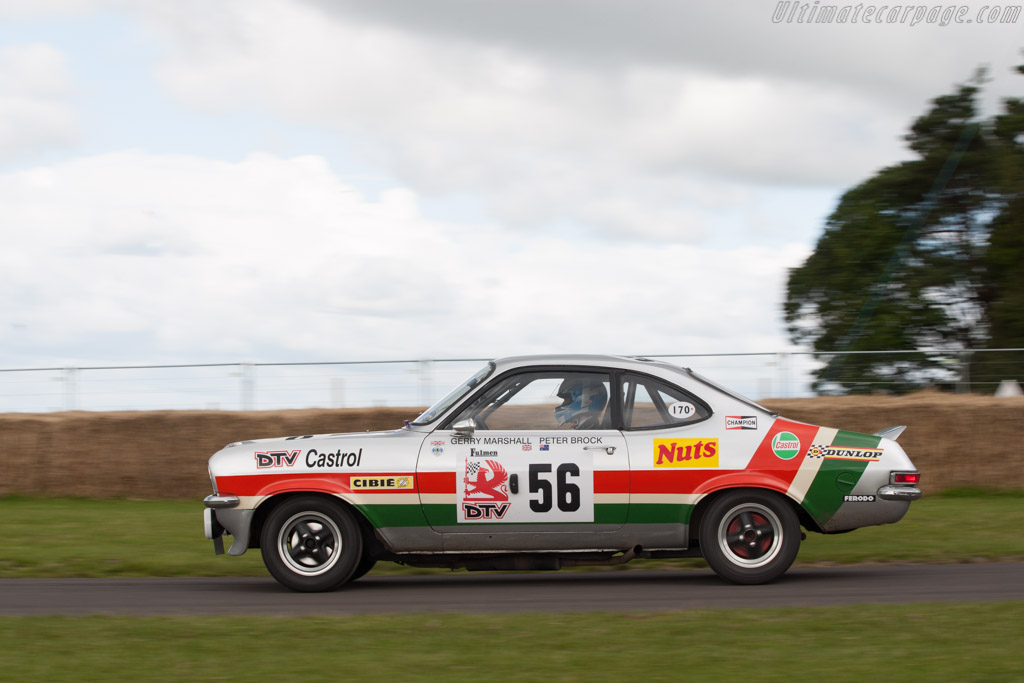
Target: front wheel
(364,566)
(749,537)
(311,544)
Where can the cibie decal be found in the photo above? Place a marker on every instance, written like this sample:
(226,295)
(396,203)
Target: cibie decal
(380,483)
(786,445)
(741,421)
(686,452)
(840,453)
(265,459)
(485,492)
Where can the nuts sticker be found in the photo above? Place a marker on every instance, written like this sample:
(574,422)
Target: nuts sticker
(686,452)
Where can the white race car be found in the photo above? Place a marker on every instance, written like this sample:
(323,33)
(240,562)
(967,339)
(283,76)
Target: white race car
(549,461)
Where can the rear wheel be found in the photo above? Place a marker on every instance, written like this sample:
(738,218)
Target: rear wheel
(311,544)
(749,537)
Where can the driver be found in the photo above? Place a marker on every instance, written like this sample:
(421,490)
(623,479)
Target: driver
(583,402)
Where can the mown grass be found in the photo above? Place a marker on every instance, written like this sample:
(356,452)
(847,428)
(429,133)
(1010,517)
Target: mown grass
(95,538)
(928,642)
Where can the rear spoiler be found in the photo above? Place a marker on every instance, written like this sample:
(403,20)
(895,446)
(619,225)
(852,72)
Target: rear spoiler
(891,432)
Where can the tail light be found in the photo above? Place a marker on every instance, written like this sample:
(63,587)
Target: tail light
(907,478)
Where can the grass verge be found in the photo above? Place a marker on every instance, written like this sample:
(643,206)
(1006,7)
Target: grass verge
(96,538)
(963,642)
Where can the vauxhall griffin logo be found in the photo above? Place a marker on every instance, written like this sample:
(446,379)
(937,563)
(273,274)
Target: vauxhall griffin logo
(265,459)
(485,495)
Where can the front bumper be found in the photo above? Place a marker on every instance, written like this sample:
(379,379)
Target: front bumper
(218,501)
(220,517)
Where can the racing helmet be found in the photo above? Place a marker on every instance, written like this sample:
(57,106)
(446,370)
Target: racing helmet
(580,395)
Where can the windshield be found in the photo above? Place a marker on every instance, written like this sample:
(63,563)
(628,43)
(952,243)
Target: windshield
(457,393)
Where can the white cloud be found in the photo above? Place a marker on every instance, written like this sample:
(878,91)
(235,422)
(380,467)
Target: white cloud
(616,146)
(738,39)
(277,259)
(636,159)
(35,9)
(613,116)
(35,93)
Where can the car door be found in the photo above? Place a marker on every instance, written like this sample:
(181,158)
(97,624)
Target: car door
(534,463)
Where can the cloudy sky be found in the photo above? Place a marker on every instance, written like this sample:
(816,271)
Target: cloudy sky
(297,180)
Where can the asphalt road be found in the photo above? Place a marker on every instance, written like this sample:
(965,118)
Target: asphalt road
(555,592)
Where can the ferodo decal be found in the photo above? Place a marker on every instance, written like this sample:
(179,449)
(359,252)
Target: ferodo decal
(858,499)
(785,445)
(379,483)
(686,452)
(839,453)
(265,459)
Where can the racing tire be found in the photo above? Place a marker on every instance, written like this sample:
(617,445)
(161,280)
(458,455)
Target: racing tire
(364,566)
(311,544)
(749,537)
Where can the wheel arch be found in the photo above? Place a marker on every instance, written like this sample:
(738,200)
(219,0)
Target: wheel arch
(269,504)
(705,502)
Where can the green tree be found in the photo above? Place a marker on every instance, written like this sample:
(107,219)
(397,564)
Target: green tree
(1005,296)
(923,257)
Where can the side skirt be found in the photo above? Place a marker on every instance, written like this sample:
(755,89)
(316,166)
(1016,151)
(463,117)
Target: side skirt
(532,561)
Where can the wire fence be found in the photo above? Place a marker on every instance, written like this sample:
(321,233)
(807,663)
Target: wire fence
(413,383)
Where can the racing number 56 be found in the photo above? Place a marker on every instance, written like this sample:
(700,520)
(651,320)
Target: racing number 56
(566,494)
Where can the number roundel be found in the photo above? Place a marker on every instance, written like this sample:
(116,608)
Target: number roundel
(682,410)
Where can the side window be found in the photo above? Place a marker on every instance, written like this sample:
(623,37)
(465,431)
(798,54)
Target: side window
(648,403)
(544,400)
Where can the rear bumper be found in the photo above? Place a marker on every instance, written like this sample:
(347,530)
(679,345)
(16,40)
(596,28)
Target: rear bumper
(907,493)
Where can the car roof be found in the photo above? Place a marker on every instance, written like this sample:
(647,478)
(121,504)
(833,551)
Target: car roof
(637,363)
(628,362)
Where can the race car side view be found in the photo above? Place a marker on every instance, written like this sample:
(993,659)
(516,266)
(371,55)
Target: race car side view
(543,462)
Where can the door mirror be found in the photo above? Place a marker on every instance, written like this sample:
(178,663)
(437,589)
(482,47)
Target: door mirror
(465,427)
